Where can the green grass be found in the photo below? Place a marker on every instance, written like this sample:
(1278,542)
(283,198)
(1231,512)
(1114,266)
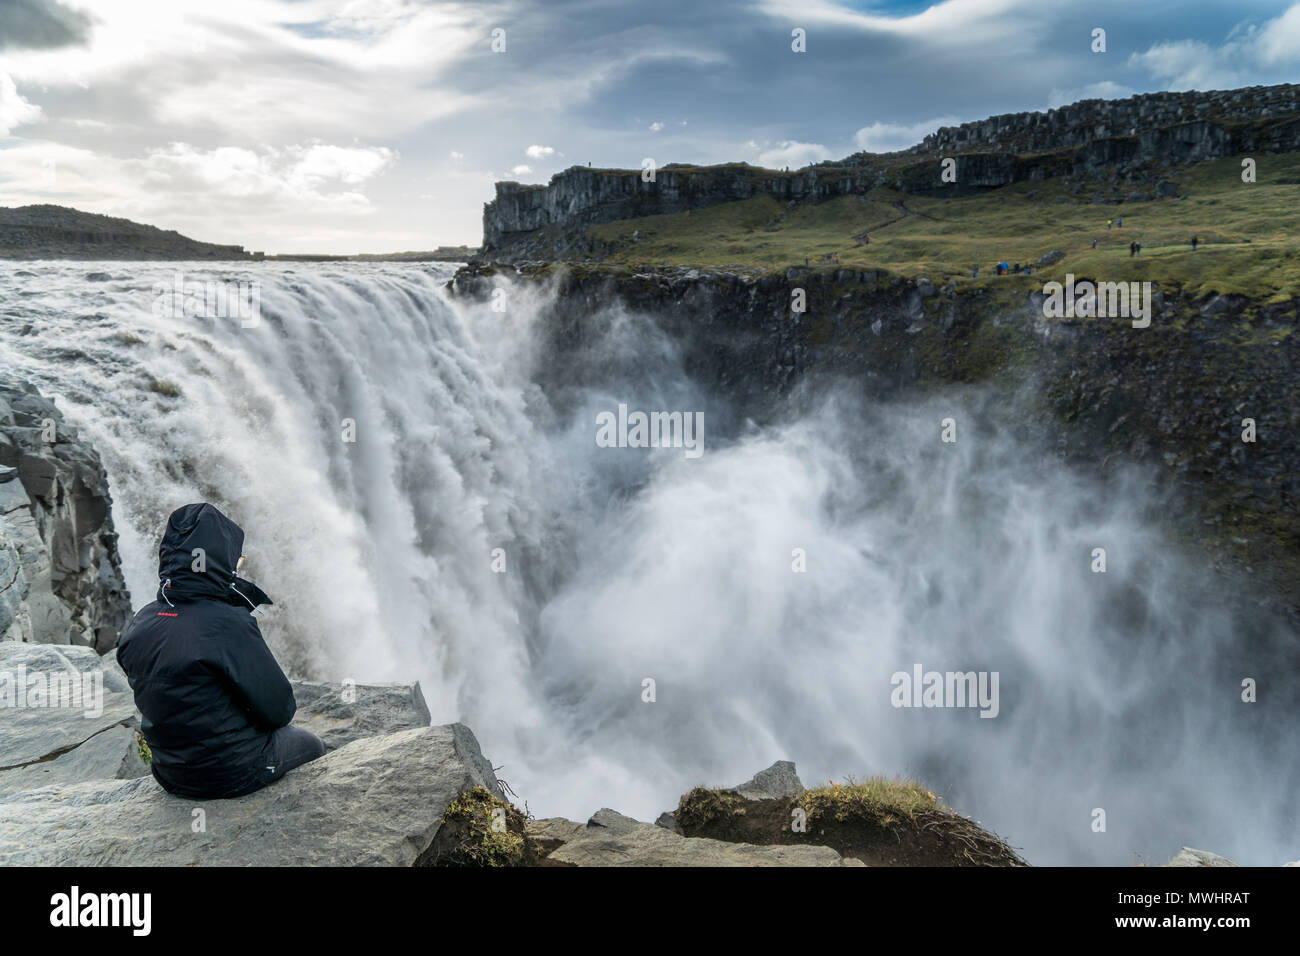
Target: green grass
(878,798)
(1248,232)
(469,835)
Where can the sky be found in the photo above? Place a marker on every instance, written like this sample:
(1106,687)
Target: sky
(344,126)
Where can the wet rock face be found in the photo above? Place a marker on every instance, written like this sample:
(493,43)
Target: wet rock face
(60,577)
(1172,397)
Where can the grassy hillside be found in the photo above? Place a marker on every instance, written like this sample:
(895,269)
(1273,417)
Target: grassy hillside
(1250,233)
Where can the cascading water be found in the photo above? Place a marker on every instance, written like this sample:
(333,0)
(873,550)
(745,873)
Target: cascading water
(1118,691)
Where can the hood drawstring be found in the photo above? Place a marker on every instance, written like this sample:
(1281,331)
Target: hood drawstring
(166,585)
(241,594)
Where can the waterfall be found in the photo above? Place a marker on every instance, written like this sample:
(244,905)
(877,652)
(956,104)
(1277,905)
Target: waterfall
(771,588)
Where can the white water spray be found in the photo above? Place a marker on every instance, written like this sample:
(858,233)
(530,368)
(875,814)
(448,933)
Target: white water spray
(1118,691)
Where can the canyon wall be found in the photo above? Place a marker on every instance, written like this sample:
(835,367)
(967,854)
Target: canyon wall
(1100,393)
(1136,137)
(60,578)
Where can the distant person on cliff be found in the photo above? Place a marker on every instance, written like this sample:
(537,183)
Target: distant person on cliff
(1094,243)
(1132,249)
(1109,223)
(1195,241)
(215,703)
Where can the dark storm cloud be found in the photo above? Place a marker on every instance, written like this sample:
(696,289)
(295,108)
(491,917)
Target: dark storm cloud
(41,25)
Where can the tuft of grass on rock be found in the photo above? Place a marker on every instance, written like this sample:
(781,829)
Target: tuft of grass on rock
(877,800)
(880,821)
(471,834)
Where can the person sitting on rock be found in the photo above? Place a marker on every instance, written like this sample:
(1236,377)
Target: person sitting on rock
(215,703)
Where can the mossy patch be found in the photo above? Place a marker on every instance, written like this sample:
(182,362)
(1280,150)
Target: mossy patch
(880,821)
(480,829)
(142,748)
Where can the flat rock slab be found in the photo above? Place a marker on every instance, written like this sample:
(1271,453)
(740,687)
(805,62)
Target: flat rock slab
(29,734)
(113,754)
(32,729)
(373,802)
(340,714)
(611,839)
(75,659)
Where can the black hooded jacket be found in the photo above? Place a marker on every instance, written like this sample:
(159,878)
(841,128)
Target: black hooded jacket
(206,684)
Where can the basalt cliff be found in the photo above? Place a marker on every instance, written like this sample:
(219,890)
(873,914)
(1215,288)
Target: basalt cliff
(1124,140)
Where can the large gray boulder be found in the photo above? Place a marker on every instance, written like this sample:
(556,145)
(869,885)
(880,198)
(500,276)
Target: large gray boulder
(112,754)
(373,802)
(42,745)
(340,713)
(68,716)
(612,839)
(776,782)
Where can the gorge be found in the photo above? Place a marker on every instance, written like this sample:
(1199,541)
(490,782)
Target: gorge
(475,432)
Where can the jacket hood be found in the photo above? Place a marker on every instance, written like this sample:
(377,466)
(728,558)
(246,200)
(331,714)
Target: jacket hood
(198,555)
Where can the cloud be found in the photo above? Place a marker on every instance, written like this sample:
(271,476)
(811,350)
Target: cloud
(1248,50)
(521,169)
(1189,64)
(41,25)
(264,70)
(1279,41)
(273,77)
(947,23)
(792,154)
(315,173)
(891,137)
(14,110)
